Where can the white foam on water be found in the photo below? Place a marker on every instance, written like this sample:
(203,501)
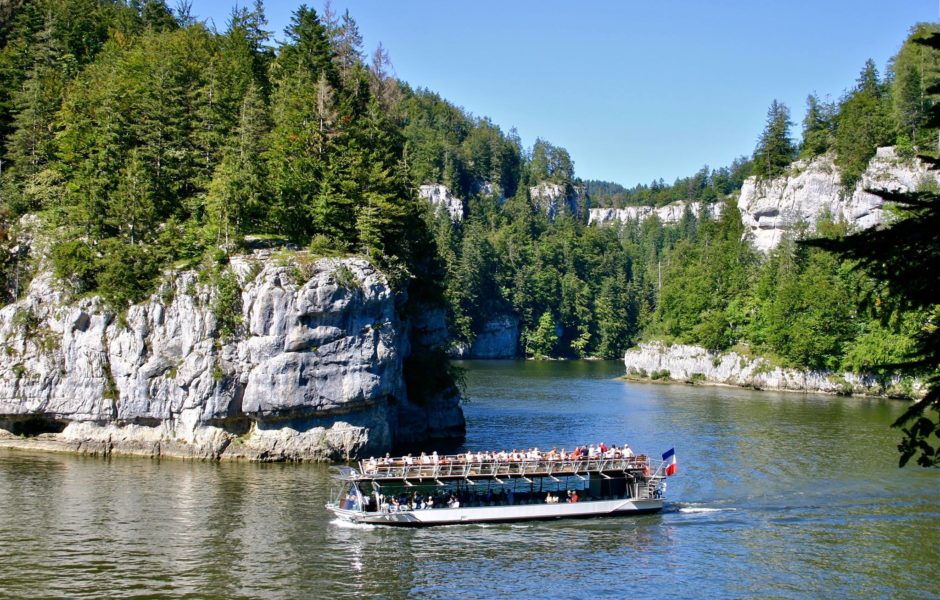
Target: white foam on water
(343,523)
(703,509)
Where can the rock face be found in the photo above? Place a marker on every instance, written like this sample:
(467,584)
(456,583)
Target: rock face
(315,371)
(552,198)
(499,339)
(811,188)
(440,197)
(693,363)
(670,213)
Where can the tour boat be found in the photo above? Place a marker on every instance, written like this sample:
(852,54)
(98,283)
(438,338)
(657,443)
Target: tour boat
(476,488)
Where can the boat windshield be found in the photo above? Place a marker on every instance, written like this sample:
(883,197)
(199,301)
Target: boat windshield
(346,496)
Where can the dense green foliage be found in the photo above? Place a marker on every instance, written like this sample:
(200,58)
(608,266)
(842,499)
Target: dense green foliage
(707,185)
(903,258)
(863,124)
(143,138)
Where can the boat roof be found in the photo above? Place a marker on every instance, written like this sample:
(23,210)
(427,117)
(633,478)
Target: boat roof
(344,473)
(457,467)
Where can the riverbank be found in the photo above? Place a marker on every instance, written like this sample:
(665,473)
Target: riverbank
(658,362)
(281,444)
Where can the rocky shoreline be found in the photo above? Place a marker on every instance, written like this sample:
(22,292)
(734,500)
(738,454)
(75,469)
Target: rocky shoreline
(659,362)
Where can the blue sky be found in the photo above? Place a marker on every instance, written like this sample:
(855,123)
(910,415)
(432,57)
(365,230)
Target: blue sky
(635,90)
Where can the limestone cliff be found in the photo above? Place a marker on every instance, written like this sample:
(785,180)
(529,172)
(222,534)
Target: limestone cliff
(684,363)
(553,199)
(312,371)
(440,198)
(812,188)
(670,213)
(498,339)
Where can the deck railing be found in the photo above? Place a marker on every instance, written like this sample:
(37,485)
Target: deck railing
(459,466)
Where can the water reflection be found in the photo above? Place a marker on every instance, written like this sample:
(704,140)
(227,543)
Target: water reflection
(780,495)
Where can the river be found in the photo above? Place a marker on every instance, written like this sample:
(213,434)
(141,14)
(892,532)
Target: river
(777,496)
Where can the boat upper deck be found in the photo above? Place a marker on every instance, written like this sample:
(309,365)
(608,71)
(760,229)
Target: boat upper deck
(464,466)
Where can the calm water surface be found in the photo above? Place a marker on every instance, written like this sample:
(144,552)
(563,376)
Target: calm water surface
(778,495)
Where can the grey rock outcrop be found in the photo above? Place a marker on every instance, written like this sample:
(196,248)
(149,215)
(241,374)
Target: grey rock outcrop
(499,339)
(493,189)
(439,197)
(693,363)
(668,214)
(812,188)
(315,372)
(553,198)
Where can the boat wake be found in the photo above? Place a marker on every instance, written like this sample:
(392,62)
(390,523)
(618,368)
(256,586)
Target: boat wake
(344,524)
(703,509)
(692,508)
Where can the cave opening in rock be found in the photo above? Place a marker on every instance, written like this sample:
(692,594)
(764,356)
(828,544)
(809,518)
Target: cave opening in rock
(33,425)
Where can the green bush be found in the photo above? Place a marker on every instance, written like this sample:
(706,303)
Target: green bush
(344,277)
(661,375)
(227,305)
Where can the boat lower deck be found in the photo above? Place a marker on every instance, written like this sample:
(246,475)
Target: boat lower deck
(502,514)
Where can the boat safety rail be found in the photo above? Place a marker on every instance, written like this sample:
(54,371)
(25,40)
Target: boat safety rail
(458,466)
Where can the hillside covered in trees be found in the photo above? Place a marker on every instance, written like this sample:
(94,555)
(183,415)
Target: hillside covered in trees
(144,140)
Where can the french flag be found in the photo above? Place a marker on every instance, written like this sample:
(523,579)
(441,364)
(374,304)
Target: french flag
(669,457)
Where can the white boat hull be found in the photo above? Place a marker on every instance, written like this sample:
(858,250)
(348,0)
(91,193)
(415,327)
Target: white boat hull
(495,514)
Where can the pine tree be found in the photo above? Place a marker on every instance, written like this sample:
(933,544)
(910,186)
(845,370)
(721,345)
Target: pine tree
(863,125)
(775,150)
(541,342)
(346,41)
(817,127)
(383,83)
(32,145)
(132,211)
(236,195)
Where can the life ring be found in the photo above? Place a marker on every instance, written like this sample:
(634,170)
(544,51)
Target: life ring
(646,471)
